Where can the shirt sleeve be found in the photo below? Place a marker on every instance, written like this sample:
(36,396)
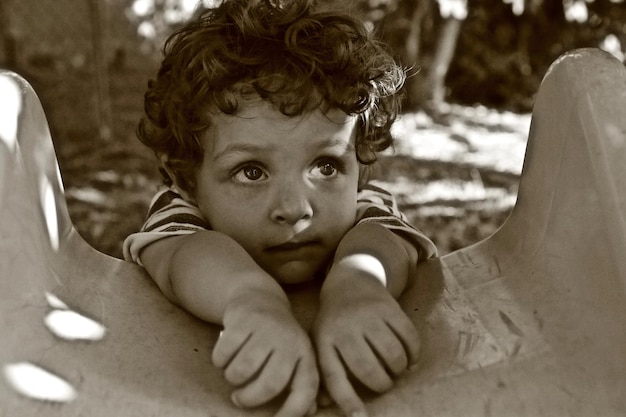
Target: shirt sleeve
(169,215)
(377,205)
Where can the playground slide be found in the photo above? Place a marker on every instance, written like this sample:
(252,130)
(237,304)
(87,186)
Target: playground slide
(529,322)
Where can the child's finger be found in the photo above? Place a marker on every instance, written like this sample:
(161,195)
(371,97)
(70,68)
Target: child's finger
(407,333)
(303,390)
(228,344)
(337,383)
(389,349)
(361,360)
(272,380)
(246,363)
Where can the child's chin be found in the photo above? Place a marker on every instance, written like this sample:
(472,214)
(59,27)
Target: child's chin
(295,272)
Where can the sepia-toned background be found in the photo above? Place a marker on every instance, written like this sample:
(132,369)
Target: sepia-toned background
(474,64)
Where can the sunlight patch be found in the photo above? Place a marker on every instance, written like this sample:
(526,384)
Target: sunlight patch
(37,383)
(10,107)
(70,325)
(48,204)
(87,194)
(55,302)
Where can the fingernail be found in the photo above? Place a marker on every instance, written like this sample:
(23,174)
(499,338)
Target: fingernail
(233,398)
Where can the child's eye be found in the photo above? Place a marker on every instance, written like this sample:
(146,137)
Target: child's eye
(250,173)
(326,168)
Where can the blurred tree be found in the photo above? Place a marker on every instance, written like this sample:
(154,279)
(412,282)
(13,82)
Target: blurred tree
(470,51)
(504,51)
(453,13)
(425,35)
(8,43)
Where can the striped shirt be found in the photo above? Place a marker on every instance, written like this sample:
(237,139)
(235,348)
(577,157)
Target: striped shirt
(171,215)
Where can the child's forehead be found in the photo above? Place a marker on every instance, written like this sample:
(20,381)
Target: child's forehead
(256,113)
(259,125)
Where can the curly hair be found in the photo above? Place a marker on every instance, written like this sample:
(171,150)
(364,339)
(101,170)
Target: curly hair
(287,53)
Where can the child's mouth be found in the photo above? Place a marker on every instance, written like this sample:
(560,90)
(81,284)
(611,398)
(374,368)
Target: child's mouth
(294,247)
(293,262)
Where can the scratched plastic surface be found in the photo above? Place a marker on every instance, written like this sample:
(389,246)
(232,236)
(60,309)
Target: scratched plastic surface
(530,322)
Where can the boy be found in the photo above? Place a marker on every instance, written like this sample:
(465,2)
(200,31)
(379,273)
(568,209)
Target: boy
(263,116)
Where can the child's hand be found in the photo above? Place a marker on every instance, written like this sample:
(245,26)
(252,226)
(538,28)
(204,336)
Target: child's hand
(362,332)
(264,351)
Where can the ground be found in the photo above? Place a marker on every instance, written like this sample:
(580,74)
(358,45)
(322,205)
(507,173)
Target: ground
(455,178)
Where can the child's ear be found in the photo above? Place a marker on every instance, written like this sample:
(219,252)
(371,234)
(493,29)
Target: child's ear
(165,166)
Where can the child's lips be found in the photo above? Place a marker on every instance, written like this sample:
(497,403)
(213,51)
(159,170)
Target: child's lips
(293,246)
(296,248)
(295,261)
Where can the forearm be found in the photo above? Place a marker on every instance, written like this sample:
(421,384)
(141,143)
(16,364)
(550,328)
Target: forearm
(379,252)
(206,271)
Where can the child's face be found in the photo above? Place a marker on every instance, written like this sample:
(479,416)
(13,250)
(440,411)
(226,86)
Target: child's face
(283,188)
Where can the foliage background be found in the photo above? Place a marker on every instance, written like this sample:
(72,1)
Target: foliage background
(475,65)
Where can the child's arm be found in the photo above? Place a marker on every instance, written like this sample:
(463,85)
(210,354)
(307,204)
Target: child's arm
(214,278)
(361,329)
(377,205)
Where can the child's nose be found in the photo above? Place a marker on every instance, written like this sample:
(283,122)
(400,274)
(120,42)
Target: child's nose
(291,203)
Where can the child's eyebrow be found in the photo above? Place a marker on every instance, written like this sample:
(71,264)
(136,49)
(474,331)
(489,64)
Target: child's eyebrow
(335,143)
(241,148)
(234,148)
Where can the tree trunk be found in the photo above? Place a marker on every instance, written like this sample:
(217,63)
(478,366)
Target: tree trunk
(444,53)
(411,54)
(414,39)
(103,96)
